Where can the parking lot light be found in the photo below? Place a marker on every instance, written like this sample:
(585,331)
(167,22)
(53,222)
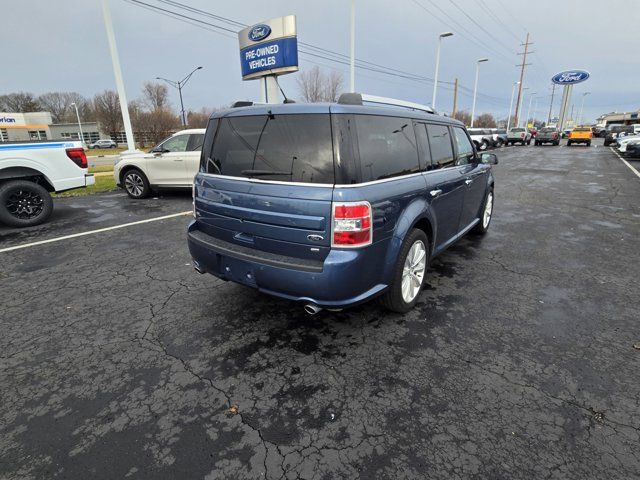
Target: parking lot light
(435,77)
(513,91)
(582,107)
(475,89)
(179,84)
(79,123)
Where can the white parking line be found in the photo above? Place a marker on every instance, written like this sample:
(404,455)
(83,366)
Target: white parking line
(93,232)
(626,163)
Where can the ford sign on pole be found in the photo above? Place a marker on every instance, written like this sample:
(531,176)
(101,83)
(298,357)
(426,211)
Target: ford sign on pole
(269,48)
(570,77)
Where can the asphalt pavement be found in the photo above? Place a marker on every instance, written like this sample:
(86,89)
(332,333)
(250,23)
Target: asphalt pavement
(118,360)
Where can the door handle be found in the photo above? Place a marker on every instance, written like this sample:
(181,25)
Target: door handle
(435,193)
(468,181)
(177,159)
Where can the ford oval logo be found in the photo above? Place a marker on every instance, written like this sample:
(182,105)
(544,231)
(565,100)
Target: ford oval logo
(315,238)
(259,32)
(570,77)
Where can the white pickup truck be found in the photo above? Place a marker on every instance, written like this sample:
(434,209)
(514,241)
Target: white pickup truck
(30,171)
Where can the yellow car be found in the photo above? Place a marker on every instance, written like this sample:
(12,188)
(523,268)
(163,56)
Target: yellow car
(580,135)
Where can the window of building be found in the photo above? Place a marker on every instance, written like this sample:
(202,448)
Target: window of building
(4,136)
(37,135)
(387,147)
(441,148)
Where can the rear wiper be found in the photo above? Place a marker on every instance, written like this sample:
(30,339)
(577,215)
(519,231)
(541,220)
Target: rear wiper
(258,173)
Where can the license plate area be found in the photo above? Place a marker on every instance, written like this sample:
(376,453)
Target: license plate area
(237,270)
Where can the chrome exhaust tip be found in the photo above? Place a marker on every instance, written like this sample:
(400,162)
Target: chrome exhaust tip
(311,309)
(197,267)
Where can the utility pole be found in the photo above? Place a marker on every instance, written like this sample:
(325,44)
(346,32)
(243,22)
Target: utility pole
(455,98)
(522,65)
(352,55)
(553,92)
(117,72)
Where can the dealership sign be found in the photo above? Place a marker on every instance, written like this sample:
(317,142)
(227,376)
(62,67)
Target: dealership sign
(269,48)
(570,77)
(7,120)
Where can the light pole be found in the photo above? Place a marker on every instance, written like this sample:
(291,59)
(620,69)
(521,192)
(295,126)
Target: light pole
(352,59)
(526,120)
(519,108)
(179,85)
(582,106)
(475,89)
(513,91)
(435,77)
(79,123)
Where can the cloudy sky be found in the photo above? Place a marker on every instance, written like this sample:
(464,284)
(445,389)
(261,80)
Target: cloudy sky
(61,45)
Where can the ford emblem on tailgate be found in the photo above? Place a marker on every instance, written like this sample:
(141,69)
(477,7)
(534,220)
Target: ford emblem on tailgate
(315,238)
(570,77)
(259,32)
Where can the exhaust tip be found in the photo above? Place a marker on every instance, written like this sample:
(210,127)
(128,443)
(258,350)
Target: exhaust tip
(311,309)
(197,267)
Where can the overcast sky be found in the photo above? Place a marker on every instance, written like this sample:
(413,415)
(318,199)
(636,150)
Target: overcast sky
(61,45)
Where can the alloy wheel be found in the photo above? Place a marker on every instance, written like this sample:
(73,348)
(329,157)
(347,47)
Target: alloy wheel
(488,210)
(413,271)
(25,204)
(134,184)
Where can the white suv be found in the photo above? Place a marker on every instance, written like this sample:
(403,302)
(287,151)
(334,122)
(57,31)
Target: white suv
(171,164)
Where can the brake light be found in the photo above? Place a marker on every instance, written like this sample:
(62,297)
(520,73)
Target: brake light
(78,156)
(352,224)
(193,197)
(522,135)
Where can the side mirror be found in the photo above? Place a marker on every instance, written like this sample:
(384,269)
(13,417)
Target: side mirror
(490,158)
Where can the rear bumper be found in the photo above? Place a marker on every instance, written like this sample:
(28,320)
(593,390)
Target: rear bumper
(345,278)
(89,179)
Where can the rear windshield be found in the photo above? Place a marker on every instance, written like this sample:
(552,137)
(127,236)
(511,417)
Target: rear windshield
(289,148)
(547,130)
(582,129)
(517,129)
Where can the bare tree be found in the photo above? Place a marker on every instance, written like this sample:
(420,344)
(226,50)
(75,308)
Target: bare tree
(155,95)
(486,120)
(60,105)
(157,124)
(463,116)
(316,86)
(199,119)
(107,111)
(333,86)
(19,102)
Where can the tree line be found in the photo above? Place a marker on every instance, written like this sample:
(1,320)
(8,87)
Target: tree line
(151,113)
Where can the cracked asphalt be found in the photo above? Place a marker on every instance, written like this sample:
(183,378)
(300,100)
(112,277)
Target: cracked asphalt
(118,360)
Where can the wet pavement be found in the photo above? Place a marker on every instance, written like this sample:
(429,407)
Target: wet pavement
(118,360)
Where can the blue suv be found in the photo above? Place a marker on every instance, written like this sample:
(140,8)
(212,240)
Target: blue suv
(331,205)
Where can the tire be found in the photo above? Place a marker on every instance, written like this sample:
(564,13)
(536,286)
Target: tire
(113,146)
(529,142)
(135,183)
(393,299)
(568,143)
(483,225)
(536,143)
(588,144)
(24,203)
(556,143)
(484,146)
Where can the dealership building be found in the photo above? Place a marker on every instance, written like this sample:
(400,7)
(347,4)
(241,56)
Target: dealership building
(620,118)
(24,127)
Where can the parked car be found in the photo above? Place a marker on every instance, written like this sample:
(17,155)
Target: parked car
(548,135)
(633,149)
(519,135)
(331,205)
(580,135)
(501,136)
(171,164)
(103,143)
(566,132)
(623,142)
(614,131)
(482,139)
(29,172)
(599,130)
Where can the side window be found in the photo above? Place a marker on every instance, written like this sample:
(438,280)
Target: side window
(463,147)
(387,147)
(440,143)
(176,144)
(195,142)
(423,146)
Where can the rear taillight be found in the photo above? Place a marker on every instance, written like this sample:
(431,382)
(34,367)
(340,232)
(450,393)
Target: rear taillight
(522,135)
(352,224)
(77,156)
(193,198)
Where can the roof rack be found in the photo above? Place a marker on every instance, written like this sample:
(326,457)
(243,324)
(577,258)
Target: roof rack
(249,103)
(361,99)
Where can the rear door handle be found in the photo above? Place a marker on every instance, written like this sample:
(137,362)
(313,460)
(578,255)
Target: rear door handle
(468,181)
(435,193)
(177,159)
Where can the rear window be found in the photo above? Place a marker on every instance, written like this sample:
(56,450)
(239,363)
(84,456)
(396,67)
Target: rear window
(517,130)
(289,148)
(547,130)
(582,129)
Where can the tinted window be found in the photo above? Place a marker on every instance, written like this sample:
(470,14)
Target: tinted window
(387,147)
(295,148)
(423,145)
(195,142)
(441,149)
(464,148)
(176,144)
